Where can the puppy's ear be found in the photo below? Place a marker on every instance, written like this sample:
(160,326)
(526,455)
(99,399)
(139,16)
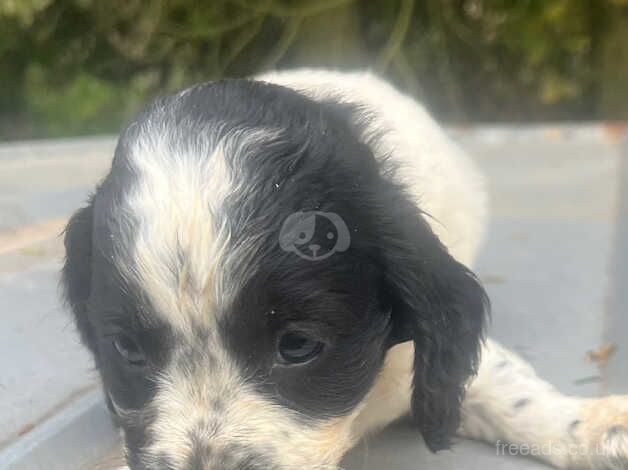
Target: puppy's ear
(438,304)
(76,274)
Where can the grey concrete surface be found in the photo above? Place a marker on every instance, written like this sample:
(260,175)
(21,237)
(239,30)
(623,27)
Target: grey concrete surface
(43,366)
(546,258)
(48,179)
(617,314)
(75,439)
(551,264)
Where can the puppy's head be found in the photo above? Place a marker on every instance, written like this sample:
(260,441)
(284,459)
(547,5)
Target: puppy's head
(218,346)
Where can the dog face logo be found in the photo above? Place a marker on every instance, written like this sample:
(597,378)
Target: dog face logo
(314,235)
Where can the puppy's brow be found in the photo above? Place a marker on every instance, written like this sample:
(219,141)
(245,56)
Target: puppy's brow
(185,247)
(133,316)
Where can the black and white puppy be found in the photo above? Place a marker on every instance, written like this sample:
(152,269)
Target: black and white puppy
(273,268)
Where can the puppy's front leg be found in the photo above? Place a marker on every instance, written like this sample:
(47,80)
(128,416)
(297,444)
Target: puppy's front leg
(509,405)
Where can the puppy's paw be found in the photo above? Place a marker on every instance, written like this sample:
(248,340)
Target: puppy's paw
(601,435)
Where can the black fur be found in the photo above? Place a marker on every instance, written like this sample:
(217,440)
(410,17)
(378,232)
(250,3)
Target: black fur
(77,271)
(395,282)
(440,305)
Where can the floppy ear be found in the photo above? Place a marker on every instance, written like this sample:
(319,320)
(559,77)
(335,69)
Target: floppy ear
(76,274)
(438,304)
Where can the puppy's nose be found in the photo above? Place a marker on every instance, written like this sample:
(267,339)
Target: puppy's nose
(314,248)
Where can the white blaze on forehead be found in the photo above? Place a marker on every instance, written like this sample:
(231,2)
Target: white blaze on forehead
(178,255)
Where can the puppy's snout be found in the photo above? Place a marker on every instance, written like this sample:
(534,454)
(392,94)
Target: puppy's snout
(230,458)
(206,459)
(314,248)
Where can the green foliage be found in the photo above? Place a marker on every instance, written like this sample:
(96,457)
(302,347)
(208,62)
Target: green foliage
(71,67)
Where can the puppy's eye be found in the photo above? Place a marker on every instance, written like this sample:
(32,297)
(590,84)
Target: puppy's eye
(296,348)
(129,350)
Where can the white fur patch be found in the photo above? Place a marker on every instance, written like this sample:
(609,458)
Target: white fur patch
(181,247)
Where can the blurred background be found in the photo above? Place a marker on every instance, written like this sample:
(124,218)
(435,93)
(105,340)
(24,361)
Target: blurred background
(77,67)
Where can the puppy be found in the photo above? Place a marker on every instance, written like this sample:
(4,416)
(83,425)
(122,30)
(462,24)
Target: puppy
(275,267)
